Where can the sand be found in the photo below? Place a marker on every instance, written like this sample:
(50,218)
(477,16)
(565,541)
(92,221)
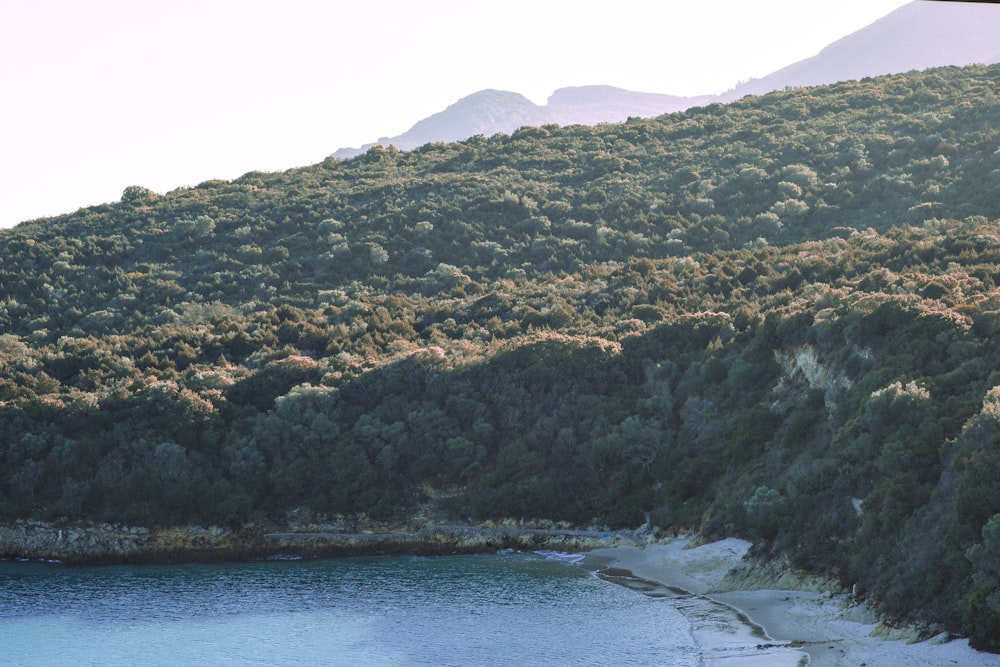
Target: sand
(769,627)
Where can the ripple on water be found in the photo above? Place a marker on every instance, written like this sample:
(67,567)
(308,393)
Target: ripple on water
(531,609)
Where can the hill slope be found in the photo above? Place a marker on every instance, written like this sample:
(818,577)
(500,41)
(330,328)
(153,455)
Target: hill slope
(776,319)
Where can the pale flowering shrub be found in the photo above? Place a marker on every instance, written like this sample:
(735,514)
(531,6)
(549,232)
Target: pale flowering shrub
(897,389)
(991,403)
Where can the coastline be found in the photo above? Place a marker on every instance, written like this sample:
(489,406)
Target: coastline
(800,627)
(741,614)
(105,544)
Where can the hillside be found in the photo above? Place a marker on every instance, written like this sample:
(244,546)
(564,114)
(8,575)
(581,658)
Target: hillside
(775,319)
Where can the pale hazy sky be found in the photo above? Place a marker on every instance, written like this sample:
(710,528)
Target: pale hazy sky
(101,94)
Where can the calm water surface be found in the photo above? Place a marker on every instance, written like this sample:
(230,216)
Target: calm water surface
(505,609)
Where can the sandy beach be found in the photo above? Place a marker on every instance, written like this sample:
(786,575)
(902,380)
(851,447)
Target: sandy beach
(743,628)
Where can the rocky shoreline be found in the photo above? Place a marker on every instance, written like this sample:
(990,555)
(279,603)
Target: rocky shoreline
(97,543)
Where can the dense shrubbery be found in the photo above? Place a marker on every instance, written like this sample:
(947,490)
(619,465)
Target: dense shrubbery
(776,319)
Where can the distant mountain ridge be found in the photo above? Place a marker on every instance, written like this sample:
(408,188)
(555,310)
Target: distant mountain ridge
(489,112)
(590,105)
(914,37)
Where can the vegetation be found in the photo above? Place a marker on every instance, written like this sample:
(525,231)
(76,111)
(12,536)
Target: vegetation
(777,319)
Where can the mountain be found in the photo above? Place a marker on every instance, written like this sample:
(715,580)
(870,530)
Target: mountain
(590,105)
(488,112)
(485,112)
(914,37)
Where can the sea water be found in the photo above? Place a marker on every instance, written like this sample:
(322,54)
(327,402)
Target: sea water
(498,609)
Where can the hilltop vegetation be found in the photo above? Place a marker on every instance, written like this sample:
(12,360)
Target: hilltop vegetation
(776,319)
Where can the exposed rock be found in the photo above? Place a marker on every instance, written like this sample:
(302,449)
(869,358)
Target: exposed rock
(803,362)
(905,633)
(72,543)
(940,638)
(103,543)
(859,613)
(754,575)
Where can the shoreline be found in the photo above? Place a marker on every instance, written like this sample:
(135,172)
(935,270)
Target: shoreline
(797,620)
(725,635)
(808,626)
(106,544)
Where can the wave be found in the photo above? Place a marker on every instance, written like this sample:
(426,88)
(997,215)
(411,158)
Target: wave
(561,556)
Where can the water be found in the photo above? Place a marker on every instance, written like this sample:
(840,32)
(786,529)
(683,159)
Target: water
(504,609)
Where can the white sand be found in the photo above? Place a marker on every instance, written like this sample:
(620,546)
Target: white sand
(829,629)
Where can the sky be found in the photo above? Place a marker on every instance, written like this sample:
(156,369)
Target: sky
(96,96)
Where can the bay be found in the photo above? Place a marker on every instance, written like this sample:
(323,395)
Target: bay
(502,609)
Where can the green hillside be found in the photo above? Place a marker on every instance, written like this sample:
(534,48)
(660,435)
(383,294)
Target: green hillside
(775,319)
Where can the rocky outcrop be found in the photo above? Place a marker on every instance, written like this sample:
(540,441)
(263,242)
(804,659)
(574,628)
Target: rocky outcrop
(103,543)
(755,574)
(803,363)
(97,542)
